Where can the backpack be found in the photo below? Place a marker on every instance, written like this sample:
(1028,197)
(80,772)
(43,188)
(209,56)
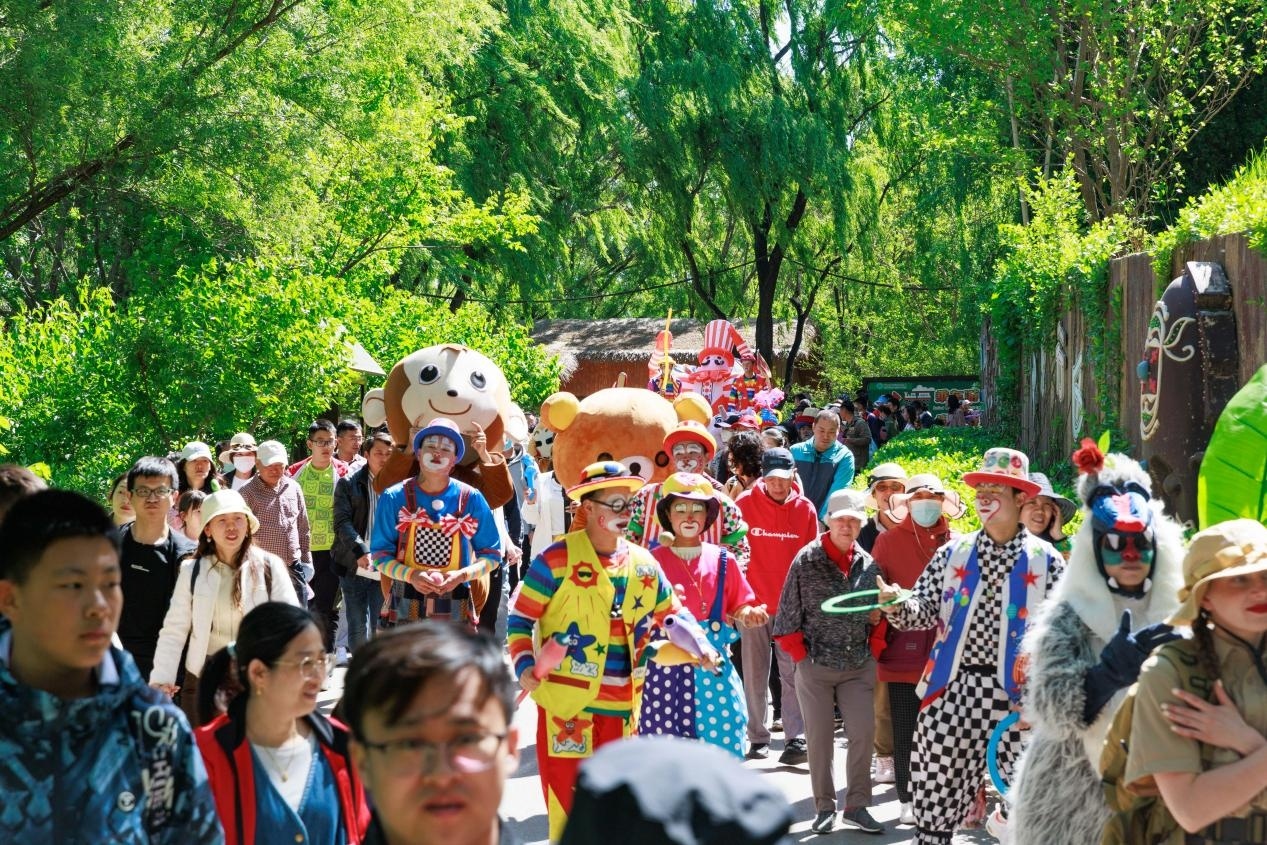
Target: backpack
(1139,816)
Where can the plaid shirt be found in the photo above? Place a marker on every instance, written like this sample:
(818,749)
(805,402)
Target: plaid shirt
(283,518)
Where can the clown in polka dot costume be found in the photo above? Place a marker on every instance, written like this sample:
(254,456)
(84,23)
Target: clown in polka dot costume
(686,700)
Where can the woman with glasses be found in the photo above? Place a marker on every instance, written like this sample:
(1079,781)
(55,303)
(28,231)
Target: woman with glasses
(279,770)
(226,578)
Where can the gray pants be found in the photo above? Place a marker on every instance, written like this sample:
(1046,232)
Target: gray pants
(820,690)
(755,648)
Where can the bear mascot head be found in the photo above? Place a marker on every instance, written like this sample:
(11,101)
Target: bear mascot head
(626,424)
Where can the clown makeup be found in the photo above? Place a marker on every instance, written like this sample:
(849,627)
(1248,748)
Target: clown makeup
(1127,557)
(688,457)
(437,454)
(612,514)
(687,518)
(997,502)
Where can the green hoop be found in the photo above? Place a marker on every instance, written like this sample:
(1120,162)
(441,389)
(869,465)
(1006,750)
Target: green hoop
(832,605)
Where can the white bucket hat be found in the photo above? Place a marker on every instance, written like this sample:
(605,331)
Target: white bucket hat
(951,505)
(241,442)
(224,502)
(889,471)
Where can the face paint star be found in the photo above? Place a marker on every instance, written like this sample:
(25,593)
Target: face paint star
(578,642)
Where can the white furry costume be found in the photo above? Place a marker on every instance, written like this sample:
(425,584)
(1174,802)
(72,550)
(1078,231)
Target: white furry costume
(1056,796)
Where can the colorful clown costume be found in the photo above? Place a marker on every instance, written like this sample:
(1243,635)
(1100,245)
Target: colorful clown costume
(445,532)
(604,608)
(979,595)
(728,530)
(688,700)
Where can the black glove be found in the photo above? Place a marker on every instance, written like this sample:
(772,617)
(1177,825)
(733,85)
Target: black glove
(1120,662)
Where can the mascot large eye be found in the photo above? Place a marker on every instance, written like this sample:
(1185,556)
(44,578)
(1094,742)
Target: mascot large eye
(478,381)
(429,374)
(639,465)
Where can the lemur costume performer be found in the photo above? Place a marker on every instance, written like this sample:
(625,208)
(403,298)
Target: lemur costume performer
(978,592)
(1087,645)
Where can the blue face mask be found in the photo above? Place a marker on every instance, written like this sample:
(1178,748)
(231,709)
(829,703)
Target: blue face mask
(925,512)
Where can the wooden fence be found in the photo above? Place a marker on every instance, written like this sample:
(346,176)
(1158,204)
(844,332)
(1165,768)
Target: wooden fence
(1059,399)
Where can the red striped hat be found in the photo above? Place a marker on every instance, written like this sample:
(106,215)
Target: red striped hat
(722,338)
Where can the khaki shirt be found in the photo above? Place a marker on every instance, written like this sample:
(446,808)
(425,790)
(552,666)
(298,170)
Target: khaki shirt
(1156,748)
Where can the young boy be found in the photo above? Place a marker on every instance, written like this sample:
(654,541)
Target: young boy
(88,752)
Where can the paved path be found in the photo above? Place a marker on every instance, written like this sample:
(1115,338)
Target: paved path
(524,808)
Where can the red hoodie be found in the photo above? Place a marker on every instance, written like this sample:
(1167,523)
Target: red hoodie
(776,532)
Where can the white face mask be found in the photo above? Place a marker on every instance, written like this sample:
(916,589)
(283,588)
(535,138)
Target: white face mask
(925,512)
(244,463)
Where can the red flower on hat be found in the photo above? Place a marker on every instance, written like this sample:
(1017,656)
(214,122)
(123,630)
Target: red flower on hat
(1088,459)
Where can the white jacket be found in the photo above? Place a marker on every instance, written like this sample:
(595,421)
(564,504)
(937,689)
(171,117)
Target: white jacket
(189,614)
(546,512)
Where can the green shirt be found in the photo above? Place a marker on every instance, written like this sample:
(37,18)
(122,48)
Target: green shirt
(318,489)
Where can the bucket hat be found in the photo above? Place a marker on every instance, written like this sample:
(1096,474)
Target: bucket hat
(1236,547)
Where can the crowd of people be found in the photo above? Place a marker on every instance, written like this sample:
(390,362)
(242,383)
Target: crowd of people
(161,660)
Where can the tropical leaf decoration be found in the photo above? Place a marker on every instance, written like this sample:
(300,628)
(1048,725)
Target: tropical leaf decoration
(1232,481)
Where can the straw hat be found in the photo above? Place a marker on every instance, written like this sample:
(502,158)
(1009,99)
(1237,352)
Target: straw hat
(1236,547)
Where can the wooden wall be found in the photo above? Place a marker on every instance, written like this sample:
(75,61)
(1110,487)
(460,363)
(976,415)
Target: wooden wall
(1058,396)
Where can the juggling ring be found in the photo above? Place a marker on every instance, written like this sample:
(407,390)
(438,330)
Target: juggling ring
(992,751)
(831,605)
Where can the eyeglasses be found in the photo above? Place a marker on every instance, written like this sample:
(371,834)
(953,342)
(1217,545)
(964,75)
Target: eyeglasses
(151,493)
(321,442)
(309,667)
(467,754)
(615,505)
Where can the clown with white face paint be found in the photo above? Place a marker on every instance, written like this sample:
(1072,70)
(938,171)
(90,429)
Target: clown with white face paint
(979,591)
(679,699)
(600,596)
(434,535)
(690,447)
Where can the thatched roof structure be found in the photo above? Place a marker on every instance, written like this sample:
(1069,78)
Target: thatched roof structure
(629,340)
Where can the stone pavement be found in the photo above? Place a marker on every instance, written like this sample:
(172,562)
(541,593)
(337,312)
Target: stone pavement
(524,808)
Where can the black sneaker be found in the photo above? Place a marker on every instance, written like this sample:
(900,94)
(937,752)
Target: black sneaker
(824,822)
(794,753)
(758,751)
(861,819)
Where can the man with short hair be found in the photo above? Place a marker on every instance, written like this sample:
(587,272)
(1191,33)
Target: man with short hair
(349,439)
(834,666)
(824,464)
(979,591)
(16,482)
(355,504)
(430,707)
(316,476)
(278,503)
(780,522)
(856,434)
(149,555)
(90,753)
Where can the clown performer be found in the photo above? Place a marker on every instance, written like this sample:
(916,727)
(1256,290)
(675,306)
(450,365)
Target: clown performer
(433,535)
(717,372)
(978,591)
(687,700)
(690,447)
(1086,647)
(600,596)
